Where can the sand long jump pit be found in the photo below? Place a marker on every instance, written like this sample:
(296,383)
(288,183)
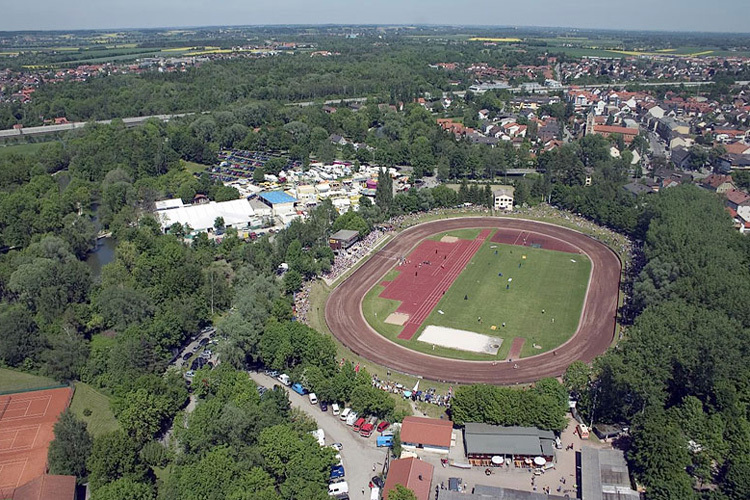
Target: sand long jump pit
(462,340)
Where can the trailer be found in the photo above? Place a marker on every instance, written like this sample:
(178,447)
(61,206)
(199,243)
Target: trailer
(382,441)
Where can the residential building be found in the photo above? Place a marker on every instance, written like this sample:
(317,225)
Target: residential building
(427,434)
(503,198)
(718,183)
(411,473)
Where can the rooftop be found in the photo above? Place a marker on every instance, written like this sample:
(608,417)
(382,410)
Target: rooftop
(604,475)
(411,473)
(47,487)
(484,439)
(201,217)
(277,197)
(344,234)
(427,431)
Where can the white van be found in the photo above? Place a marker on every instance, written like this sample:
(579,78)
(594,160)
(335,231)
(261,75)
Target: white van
(313,398)
(284,379)
(335,409)
(345,414)
(338,488)
(352,418)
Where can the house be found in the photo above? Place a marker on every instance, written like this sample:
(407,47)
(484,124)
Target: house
(718,183)
(637,189)
(484,442)
(503,198)
(604,473)
(337,140)
(411,473)
(426,434)
(737,198)
(681,157)
(47,487)
(737,148)
(728,162)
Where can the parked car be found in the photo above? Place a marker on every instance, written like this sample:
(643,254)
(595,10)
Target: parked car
(196,347)
(187,356)
(284,379)
(297,387)
(204,341)
(338,446)
(313,398)
(345,413)
(337,472)
(358,424)
(198,364)
(337,489)
(352,418)
(335,409)
(190,374)
(378,481)
(323,406)
(383,426)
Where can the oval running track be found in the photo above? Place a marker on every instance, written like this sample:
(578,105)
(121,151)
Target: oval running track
(596,328)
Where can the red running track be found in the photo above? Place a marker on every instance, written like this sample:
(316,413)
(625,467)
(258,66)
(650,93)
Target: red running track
(426,274)
(595,332)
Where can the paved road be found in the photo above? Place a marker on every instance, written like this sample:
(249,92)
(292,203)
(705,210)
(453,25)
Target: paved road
(595,332)
(359,454)
(54,129)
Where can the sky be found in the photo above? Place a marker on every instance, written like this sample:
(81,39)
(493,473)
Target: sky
(667,15)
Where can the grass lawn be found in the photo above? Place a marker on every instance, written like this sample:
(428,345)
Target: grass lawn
(101,420)
(11,380)
(192,167)
(546,280)
(463,234)
(22,149)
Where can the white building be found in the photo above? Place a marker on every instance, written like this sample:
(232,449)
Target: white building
(236,213)
(504,198)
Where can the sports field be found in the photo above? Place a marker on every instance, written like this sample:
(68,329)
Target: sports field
(538,298)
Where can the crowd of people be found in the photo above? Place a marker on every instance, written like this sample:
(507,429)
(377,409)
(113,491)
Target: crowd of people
(427,396)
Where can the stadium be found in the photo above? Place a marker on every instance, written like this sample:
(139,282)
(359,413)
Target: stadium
(480,299)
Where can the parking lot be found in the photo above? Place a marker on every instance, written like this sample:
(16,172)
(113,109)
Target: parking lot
(203,341)
(358,455)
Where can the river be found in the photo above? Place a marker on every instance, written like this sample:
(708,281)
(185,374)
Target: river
(103,254)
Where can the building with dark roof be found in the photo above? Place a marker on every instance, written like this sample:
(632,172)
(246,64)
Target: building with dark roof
(343,239)
(483,442)
(428,434)
(411,473)
(635,189)
(605,476)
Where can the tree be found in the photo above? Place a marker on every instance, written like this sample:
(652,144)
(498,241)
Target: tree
(124,489)
(114,456)
(292,281)
(353,221)
(219,224)
(401,492)
(384,191)
(19,335)
(69,451)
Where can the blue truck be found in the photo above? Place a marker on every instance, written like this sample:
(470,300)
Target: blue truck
(384,441)
(299,389)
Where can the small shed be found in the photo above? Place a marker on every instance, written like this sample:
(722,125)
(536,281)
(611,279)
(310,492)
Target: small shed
(343,239)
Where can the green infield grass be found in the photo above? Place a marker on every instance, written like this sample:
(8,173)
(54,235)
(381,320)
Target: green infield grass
(540,301)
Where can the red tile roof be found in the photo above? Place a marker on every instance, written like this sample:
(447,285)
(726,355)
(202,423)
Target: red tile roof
(47,487)
(737,148)
(716,180)
(737,197)
(611,129)
(411,473)
(427,431)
